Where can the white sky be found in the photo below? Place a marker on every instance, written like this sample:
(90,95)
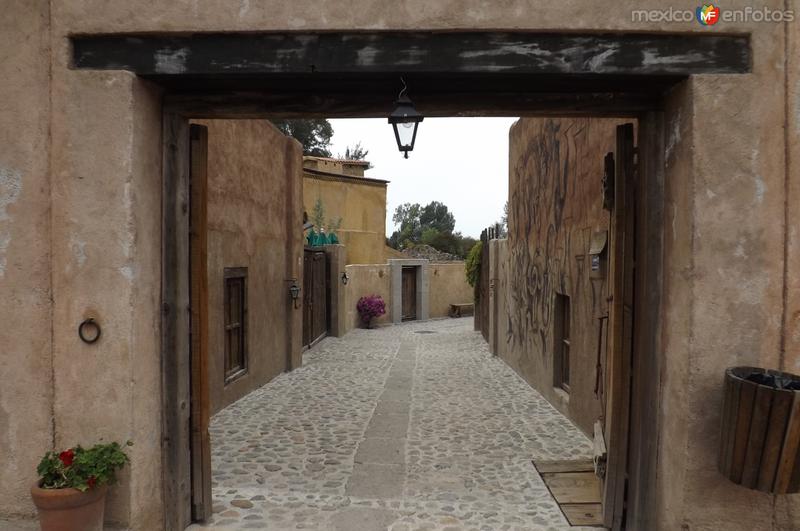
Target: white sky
(461,162)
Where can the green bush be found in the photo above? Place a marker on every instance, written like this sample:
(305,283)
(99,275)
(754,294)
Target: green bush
(473,264)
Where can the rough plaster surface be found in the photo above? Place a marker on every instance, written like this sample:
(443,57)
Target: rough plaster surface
(448,285)
(555,207)
(361,207)
(724,261)
(25,341)
(391,429)
(251,186)
(368,280)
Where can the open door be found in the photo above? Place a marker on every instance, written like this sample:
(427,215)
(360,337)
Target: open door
(621,320)
(199,388)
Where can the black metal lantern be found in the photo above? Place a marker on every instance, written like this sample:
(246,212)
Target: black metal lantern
(405,119)
(294,291)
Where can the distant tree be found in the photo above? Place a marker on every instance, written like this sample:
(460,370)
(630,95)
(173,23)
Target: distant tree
(315,134)
(431,225)
(465,244)
(437,216)
(447,242)
(357,152)
(406,216)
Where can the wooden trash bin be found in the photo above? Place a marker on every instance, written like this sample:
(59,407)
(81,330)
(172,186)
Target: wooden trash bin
(760,437)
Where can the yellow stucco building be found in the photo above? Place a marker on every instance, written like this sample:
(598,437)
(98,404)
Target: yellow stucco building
(346,195)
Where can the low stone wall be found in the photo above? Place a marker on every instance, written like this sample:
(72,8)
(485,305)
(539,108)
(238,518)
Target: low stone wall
(367,279)
(448,285)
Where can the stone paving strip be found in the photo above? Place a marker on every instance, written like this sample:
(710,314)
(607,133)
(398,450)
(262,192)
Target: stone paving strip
(391,429)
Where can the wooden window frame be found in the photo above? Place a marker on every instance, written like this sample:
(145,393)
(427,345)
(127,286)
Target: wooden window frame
(562,310)
(234,372)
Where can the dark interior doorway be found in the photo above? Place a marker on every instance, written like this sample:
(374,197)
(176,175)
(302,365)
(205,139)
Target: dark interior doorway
(449,74)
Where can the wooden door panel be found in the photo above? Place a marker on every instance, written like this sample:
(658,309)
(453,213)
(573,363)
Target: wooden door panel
(620,328)
(315,296)
(319,294)
(645,363)
(198,245)
(176,342)
(308,283)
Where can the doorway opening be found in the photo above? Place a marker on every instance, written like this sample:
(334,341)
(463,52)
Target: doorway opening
(489,74)
(408,276)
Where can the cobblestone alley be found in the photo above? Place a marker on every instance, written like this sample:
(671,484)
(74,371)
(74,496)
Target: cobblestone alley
(407,427)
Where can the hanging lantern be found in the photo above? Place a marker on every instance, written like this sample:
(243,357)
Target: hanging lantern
(405,119)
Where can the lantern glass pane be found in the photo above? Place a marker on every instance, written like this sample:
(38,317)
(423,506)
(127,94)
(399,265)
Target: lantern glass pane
(405,131)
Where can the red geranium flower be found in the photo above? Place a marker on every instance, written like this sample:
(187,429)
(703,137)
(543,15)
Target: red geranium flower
(67,456)
(92,481)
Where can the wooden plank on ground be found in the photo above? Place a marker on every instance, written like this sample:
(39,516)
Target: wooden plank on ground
(549,467)
(574,487)
(586,514)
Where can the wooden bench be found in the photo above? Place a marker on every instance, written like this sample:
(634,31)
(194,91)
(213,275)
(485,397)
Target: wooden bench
(462,310)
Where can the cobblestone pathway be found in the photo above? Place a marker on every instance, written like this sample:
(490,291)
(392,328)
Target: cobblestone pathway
(412,427)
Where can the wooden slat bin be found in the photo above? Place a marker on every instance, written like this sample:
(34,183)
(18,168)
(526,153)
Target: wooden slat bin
(760,437)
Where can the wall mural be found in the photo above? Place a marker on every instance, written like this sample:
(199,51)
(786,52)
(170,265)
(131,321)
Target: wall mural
(555,206)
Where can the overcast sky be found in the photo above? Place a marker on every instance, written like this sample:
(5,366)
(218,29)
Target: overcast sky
(462,162)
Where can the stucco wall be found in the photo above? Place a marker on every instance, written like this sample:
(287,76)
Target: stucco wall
(362,208)
(106,264)
(253,182)
(555,206)
(26,385)
(448,285)
(730,271)
(372,279)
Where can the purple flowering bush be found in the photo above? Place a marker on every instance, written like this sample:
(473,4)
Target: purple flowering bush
(370,307)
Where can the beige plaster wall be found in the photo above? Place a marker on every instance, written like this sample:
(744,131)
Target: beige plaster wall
(362,209)
(254,188)
(372,279)
(26,388)
(106,157)
(448,285)
(555,205)
(733,217)
(728,175)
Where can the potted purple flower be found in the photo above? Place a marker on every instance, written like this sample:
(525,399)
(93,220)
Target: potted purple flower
(369,308)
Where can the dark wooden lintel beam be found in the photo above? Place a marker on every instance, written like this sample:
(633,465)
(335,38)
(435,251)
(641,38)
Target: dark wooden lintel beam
(300,105)
(268,54)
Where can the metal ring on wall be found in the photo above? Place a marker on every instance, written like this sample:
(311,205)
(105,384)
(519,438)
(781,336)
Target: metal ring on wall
(89,323)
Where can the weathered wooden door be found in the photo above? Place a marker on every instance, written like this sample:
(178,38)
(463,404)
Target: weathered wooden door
(319,296)
(308,288)
(198,257)
(621,313)
(315,296)
(409,293)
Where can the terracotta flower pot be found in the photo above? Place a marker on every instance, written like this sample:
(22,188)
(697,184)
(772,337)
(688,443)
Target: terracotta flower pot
(70,509)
